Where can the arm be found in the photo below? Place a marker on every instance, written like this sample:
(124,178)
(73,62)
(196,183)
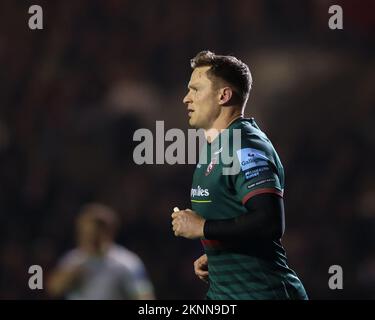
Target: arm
(63,279)
(265,220)
(136,283)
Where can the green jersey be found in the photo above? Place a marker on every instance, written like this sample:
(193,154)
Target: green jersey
(257,269)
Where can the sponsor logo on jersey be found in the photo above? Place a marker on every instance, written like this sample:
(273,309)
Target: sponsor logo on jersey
(251,174)
(260,182)
(255,172)
(199,192)
(251,158)
(210,166)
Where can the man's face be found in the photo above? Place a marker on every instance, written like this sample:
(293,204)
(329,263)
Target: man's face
(91,233)
(88,230)
(202,100)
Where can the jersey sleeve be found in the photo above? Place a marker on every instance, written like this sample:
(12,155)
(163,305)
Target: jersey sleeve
(135,281)
(257,170)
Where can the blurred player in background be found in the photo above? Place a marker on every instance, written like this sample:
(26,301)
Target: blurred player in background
(99,269)
(239,217)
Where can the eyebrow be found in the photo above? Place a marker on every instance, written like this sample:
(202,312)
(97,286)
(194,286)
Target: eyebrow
(192,86)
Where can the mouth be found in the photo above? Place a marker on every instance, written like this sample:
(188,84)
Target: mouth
(190,112)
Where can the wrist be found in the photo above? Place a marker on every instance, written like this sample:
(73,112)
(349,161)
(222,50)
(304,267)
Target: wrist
(205,228)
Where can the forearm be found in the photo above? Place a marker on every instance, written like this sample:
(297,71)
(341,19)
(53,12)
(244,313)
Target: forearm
(264,220)
(62,281)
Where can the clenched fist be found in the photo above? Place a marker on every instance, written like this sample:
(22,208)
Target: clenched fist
(201,268)
(188,224)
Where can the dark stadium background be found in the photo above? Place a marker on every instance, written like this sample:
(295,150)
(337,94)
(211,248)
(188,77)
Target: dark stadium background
(72,95)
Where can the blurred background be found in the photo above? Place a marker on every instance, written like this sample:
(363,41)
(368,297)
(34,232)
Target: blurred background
(73,94)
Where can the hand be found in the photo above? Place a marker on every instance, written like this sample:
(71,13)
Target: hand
(187,224)
(201,268)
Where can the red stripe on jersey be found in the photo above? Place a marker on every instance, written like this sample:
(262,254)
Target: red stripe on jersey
(211,243)
(260,191)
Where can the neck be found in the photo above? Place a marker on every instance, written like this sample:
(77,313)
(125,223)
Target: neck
(95,249)
(222,122)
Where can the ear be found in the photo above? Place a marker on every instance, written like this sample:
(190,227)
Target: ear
(225,94)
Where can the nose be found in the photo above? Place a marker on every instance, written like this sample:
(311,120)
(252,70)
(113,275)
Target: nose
(187,99)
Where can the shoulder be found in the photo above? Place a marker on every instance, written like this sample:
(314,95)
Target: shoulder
(247,135)
(125,257)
